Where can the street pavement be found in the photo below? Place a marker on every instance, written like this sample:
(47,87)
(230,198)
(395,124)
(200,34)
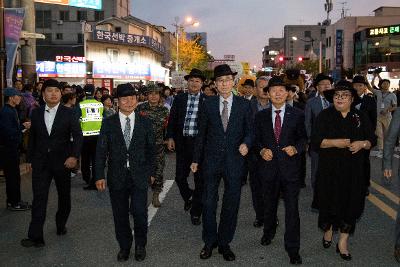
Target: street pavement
(174,241)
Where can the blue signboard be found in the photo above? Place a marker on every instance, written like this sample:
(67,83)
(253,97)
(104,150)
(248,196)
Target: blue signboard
(339,48)
(60,69)
(129,39)
(121,71)
(95,4)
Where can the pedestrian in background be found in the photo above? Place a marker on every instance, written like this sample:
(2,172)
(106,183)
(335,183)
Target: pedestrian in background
(108,104)
(51,155)
(10,139)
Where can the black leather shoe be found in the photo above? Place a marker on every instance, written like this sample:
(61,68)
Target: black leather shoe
(265,241)
(346,257)
(325,243)
(295,259)
(62,231)
(90,187)
(206,251)
(258,223)
(195,220)
(227,253)
(140,253)
(123,255)
(188,204)
(32,243)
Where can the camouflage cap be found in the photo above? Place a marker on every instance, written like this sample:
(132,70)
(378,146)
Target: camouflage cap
(153,88)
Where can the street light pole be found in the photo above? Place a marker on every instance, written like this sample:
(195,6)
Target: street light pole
(312,46)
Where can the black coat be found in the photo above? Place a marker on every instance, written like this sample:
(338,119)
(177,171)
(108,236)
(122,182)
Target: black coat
(10,129)
(368,106)
(111,148)
(52,150)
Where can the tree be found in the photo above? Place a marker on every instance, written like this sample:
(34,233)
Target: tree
(191,55)
(311,66)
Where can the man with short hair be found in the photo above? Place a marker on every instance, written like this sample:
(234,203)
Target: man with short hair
(127,144)
(51,155)
(248,87)
(10,138)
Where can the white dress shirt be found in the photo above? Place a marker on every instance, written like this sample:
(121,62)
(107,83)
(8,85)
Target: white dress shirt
(281,114)
(49,116)
(122,119)
(221,104)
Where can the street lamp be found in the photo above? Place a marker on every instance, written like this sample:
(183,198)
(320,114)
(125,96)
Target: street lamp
(294,38)
(180,27)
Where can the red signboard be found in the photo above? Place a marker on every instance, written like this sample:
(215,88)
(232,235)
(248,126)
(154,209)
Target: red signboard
(108,83)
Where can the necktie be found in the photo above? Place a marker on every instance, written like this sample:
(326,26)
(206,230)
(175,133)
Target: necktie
(278,126)
(127,132)
(326,103)
(224,115)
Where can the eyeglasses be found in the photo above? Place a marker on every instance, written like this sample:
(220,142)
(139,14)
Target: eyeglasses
(341,96)
(221,81)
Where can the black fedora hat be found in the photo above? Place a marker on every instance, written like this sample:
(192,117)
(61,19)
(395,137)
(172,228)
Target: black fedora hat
(222,70)
(321,77)
(343,85)
(196,73)
(360,79)
(249,82)
(276,81)
(125,89)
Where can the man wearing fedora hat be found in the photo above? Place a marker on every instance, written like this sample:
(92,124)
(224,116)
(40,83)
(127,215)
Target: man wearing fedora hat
(280,139)
(127,143)
(181,133)
(248,87)
(224,139)
(313,107)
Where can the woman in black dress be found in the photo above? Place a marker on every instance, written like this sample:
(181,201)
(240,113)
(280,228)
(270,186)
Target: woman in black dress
(342,135)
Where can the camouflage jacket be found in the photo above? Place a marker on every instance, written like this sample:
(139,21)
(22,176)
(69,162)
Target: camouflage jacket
(158,116)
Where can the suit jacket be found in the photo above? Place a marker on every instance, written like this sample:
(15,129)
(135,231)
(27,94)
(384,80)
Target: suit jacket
(292,134)
(391,138)
(368,105)
(52,150)
(312,109)
(177,116)
(10,129)
(111,148)
(219,146)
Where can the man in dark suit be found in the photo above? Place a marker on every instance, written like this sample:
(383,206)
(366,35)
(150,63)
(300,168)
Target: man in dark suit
(181,133)
(280,138)
(368,106)
(52,155)
(225,137)
(313,107)
(127,142)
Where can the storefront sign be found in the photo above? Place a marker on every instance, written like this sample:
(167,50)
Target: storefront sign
(108,84)
(60,69)
(95,4)
(121,71)
(382,31)
(129,39)
(70,59)
(339,48)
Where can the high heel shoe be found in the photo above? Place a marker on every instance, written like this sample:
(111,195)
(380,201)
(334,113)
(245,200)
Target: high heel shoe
(346,257)
(325,243)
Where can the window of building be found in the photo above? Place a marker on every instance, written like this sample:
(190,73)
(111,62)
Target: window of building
(98,15)
(117,29)
(134,56)
(307,34)
(64,15)
(112,54)
(307,47)
(47,39)
(80,38)
(330,41)
(323,31)
(59,36)
(82,15)
(43,19)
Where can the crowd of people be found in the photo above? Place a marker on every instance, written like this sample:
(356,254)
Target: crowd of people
(262,133)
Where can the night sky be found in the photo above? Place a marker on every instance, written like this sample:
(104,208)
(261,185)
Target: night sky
(242,27)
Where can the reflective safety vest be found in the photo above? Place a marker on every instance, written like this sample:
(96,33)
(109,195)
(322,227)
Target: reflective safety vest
(92,116)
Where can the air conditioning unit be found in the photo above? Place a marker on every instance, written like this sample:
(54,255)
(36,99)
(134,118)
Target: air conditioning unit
(60,22)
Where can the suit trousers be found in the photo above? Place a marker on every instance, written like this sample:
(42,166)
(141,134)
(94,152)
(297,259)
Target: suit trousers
(9,159)
(230,206)
(130,200)
(88,156)
(314,167)
(184,158)
(41,181)
(290,190)
(256,186)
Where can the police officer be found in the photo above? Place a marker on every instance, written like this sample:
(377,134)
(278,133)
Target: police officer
(158,114)
(91,118)
(10,139)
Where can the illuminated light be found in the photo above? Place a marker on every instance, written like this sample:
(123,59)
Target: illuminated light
(281,59)
(300,59)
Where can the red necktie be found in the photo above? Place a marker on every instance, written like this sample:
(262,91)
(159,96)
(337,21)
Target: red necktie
(278,126)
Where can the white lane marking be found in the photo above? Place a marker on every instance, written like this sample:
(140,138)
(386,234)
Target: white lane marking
(151,209)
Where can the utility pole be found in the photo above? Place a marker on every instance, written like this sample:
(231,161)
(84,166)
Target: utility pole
(28,50)
(3,55)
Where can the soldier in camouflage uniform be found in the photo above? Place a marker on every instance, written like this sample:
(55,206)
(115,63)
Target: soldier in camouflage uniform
(158,114)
